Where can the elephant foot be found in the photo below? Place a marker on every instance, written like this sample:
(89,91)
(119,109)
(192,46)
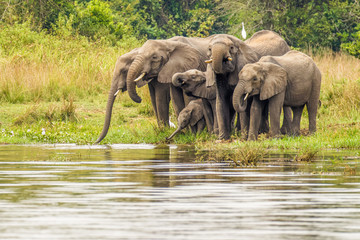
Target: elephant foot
(285,130)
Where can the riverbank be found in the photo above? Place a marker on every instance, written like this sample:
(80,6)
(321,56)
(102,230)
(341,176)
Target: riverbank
(54,90)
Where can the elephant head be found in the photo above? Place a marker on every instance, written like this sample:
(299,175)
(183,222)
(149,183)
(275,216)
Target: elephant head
(228,55)
(190,115)
(193,82)
(118,84)
(160,59)
(264,78)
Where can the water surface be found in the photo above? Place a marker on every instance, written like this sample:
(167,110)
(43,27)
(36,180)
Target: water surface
(164,192)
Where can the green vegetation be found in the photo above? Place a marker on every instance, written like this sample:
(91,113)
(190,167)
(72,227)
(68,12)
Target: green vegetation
(56,66)
(333,23)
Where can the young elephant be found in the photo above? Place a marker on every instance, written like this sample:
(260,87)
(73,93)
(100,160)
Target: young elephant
(193,83)
(290,80)
(192,114)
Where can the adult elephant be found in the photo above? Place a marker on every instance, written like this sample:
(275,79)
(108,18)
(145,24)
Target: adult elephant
(193,83)
(228,55)
(291,80)
(154,64)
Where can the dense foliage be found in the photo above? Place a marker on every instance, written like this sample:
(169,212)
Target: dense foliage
(331,23)
(304,23)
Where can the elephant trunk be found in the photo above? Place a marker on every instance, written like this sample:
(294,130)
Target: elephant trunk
(135,70)
(218,55)
(238,98)
(109,106)
(177,79)
(174,133)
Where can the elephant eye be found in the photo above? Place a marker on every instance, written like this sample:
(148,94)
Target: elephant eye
(193,76)
(254,79)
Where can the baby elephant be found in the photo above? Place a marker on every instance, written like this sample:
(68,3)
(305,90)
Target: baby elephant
(192,114)
(193,83)
(290,80)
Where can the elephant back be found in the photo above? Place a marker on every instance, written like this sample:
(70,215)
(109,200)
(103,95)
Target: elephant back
(267,42)
(200,44)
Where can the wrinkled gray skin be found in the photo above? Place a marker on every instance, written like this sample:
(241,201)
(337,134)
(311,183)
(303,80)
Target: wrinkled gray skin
(227,56)
(192,115)
(291,80)
(193,83)
(154,64)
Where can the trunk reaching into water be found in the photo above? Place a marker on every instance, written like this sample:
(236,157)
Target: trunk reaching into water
(135,71)
(109,107)
(173,134)
(238,98)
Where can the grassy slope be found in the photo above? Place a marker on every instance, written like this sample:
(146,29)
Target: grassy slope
(54,90)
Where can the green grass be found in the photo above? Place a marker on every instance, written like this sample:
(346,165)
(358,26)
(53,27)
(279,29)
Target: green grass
(54,90)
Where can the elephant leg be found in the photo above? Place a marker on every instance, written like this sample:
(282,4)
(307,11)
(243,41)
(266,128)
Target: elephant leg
(223,113)
(285,129)
(264,125)
(153,101)
(245,120)
(177,98)
(208,115)
(275,105)
(255,118)
(312,108)
(200,126)
(213,108)
(162,101)
(295,126)
(193,129)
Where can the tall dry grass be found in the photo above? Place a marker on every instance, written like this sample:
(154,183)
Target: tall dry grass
(340,89)
(38,66)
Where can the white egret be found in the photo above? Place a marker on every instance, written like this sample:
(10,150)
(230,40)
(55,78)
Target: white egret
(171,124)
(243,33)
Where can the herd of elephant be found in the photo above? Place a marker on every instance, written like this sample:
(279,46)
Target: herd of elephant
(209,80)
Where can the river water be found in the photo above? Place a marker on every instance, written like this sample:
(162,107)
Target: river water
(166,192)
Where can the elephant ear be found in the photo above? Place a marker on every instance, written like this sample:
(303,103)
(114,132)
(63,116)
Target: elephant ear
(182,57)
(197,113)
(205,92)
(245,55)
(275,80)
(201,90)
(122,66)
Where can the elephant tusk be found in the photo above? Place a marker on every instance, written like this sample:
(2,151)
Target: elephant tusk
(139,77)
(246,96)
(229,59)
(117,92)
(209,61)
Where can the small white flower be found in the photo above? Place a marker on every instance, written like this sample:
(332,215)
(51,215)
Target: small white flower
(43,131)
(12,133)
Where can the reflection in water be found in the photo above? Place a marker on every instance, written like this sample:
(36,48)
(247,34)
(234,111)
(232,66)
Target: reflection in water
(163,192)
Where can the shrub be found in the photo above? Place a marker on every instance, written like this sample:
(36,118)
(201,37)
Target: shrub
(353,47)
